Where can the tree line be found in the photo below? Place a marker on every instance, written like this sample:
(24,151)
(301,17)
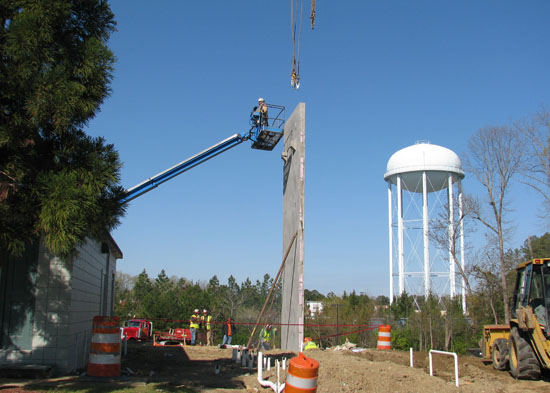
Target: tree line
(170,301)
(418,322)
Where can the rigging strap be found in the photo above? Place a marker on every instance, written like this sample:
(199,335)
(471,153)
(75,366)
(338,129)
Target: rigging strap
(312,16)
(296,27)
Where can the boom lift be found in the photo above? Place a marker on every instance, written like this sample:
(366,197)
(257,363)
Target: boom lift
(523,345)
(264,136)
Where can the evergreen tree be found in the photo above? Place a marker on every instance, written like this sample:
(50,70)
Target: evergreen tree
(142,293)
(313,295)
(382,300)
(161,303)
(402,306)
(536,247)
(55,72)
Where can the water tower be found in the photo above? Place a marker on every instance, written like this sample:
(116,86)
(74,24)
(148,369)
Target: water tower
(424,186)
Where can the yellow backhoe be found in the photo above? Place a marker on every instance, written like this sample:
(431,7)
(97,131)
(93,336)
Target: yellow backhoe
(523,346)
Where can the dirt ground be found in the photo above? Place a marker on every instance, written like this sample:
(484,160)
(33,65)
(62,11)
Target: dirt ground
(339,371)
(211,370)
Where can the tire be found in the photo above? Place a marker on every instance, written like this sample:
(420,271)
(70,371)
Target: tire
(523,361)
(499,354)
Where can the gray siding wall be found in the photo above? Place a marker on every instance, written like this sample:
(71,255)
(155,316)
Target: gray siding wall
(91,295)
(68,294)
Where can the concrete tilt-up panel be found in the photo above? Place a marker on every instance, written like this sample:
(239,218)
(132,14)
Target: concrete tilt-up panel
(292,313)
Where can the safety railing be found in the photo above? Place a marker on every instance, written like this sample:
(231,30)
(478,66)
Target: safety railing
(275,116)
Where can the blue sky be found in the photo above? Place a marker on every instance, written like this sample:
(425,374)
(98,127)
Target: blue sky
(377,76)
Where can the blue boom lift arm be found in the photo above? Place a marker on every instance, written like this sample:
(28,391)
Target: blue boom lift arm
(264,136)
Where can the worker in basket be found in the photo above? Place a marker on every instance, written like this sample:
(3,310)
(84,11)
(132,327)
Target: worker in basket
(260,113)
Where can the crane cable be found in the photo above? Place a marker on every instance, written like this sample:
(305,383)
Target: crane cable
(296,24)
(312,16)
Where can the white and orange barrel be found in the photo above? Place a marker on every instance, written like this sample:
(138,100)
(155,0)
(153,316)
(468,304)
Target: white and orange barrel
(302,375)
(105,348)
(384,337)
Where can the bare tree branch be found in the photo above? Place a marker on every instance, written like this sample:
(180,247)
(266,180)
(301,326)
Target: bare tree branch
(495,157)
(536,172)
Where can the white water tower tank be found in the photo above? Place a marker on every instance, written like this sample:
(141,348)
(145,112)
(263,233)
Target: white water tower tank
(420,184)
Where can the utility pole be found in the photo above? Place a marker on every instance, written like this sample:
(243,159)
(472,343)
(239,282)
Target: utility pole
(337,305)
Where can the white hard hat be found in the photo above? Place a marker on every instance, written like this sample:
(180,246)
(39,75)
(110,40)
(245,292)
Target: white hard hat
(260,99)
(196,310)
(204,311)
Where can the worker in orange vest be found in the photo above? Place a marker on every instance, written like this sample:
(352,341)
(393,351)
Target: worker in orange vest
(228,330)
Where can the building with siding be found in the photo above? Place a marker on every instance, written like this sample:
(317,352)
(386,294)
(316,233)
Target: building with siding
(47,304)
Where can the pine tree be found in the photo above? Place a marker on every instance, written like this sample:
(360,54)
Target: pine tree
(142,293)
(56,182)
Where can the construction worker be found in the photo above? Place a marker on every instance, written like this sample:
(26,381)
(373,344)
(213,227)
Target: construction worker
(228,329)
(309,344)
(194,325)
(265,338)
(262,109)
(206,328)
(259,113)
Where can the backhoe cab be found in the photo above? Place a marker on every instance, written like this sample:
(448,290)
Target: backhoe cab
(524,344)
(265,132)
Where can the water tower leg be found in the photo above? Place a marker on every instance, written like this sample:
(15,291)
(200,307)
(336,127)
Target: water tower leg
(390,236)
(426,232)
(452,272)
(400,229)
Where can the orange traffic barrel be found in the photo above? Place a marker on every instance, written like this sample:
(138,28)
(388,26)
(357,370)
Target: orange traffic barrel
(384,337)
(105,348)
(302,375)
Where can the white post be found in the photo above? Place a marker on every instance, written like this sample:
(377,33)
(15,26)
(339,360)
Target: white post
(427,284)
(390,235)
(401,255)
(444,353)
(452,274)
(411,357)
(278,374)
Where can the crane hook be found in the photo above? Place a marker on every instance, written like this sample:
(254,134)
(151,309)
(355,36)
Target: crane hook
(294,80)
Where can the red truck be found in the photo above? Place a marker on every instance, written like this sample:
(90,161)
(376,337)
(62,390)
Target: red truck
(173,337)
(137,329)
